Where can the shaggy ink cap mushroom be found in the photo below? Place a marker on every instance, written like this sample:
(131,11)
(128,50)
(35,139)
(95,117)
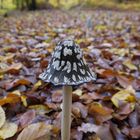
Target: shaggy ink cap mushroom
(67,66)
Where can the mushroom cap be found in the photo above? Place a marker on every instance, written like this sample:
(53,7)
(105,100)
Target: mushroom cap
(67,66)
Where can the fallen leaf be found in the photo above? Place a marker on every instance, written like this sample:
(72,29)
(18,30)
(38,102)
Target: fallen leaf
(100,27)
(9,56)
(124,81)
(100,113)
(116,132)
(79,109)
(14,69)
(21,82)
(130,65)
(11,98)
(126,109)
(102,131)
(135,132)
(106,45)
(27,118)
(88,127)
(8,130)
(43,63)
(40,109)
(126,95)
(121,52)
(24,100)
(3,66)
(41,45)
(37,85)
(2,117)
(76,135)
(134,117)
(57,96)
(109,73)
(1,76)
(35,131)
(78,92)
(98,108)
(103,63)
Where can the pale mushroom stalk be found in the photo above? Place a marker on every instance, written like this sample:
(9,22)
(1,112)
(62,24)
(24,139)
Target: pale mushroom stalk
(67,68)
(66,113)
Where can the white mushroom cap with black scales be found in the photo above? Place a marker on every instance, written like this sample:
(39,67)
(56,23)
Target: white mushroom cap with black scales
(67,66)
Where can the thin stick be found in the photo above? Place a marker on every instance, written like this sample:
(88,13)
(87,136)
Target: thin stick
(66,113)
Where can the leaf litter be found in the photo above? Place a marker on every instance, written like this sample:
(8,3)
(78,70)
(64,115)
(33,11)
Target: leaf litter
(107,109)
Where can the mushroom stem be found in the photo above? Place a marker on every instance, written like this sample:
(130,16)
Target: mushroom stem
(66,113)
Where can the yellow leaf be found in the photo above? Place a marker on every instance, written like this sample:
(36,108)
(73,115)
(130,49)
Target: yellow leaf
(78,92)
(1,76)
(8,130)
(24,101)
(127,95)
(7,57)
(16,92)
(120,52)
(78,41)
(129,64)
(35,131)
(2,117)
(1,58)
(40,109)
(100,27)
(38,84)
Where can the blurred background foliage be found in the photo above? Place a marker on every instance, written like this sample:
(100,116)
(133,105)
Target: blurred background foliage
(8,5)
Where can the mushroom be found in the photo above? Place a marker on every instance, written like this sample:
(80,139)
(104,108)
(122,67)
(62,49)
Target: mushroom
(67,68)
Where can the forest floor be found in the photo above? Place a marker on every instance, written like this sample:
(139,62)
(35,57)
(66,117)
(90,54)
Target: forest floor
(108,109)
